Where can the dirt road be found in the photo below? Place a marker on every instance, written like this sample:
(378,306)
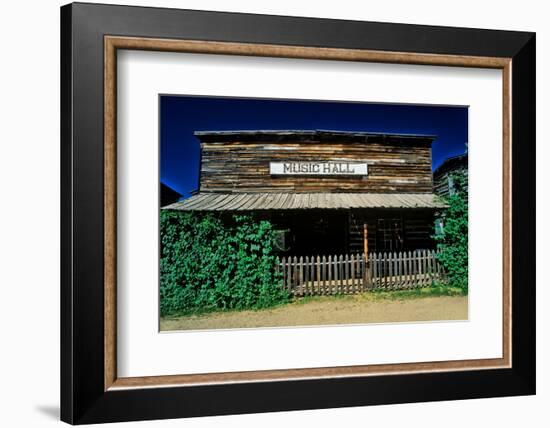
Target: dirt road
(329,311)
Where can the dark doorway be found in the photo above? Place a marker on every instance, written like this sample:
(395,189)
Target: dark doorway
(314,232)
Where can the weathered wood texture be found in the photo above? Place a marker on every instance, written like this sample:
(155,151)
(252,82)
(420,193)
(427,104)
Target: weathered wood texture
(244,166)
(391,230)
(443,176)
(355,273)
(444,183)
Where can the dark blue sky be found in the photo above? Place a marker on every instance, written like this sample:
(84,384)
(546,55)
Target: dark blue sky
(180,116)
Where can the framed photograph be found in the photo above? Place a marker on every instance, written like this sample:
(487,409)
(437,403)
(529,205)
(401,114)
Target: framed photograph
(266,213)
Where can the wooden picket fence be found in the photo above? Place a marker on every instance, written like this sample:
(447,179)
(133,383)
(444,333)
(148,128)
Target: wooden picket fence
(349,274)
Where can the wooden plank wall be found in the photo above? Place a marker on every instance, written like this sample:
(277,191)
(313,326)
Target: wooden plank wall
(417,229)
(441,181)
(244,167)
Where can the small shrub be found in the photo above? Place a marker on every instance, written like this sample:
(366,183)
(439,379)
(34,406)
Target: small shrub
(209,263)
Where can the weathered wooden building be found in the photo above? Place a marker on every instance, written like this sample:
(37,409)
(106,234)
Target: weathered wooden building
(444,175)
(330,191)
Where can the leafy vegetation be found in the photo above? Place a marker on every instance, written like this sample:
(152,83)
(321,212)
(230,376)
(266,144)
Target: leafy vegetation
(453,239)
(208,263)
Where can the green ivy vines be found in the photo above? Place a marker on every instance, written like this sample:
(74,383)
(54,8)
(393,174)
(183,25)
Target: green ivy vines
(453,239)
(210,263)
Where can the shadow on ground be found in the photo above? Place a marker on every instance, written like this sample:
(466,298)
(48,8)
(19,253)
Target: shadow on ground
(50,411)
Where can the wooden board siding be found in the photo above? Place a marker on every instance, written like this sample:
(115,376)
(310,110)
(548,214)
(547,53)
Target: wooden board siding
(416,228)
(442,181)
(441,185)
(442,175)
(419,229)
(244,167)
(357,218)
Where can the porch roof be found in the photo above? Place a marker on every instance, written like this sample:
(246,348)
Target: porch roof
(287,201)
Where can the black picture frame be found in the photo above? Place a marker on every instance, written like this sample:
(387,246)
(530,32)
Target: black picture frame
(83,398)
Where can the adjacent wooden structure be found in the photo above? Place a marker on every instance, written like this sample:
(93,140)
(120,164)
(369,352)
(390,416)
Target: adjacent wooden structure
(444,174)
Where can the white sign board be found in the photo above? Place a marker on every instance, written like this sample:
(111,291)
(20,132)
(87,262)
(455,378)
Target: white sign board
(318,168)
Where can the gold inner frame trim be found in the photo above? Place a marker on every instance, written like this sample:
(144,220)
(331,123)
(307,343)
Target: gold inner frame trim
(113,43)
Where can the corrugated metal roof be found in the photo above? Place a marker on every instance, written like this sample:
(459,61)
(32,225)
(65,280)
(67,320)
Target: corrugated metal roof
(289,201)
